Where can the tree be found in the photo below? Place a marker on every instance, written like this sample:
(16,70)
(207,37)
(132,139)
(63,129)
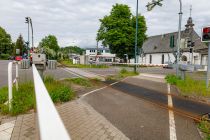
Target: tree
(50,42)
(6,46)
(20,44)
(117,31)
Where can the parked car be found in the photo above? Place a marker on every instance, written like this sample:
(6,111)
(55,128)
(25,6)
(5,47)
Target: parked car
(169,65)
(18,58)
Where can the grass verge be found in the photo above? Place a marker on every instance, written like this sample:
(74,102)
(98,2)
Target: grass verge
(24,98)
(189,86)
(122,74)
(204,126)
(69,63)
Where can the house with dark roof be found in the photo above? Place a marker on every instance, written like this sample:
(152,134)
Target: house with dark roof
(161,49)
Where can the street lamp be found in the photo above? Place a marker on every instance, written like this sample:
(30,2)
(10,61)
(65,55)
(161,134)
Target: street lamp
(29,21)
(150,6)
(136,37)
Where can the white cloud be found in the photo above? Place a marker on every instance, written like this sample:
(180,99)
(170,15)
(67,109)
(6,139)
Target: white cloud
(75,22)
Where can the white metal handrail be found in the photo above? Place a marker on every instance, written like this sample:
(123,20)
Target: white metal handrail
(51,126)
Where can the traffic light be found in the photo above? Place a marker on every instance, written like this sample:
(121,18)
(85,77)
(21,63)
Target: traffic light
(191,50)
(206,34)
(27,19)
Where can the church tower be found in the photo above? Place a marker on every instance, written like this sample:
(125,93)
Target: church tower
(190,23)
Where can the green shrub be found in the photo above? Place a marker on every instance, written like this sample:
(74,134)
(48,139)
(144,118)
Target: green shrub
(4,56)
(3,95)
(23,99)
(172,79)
(204,126)
(81,81)
(189,86)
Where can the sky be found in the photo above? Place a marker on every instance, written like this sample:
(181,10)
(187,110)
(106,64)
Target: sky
(75,22)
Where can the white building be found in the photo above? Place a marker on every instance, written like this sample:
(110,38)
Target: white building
(160,50)
(100,55)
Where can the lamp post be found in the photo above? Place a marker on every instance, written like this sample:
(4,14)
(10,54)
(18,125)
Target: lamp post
(27,21)
(32,32)
(179,38)
(136,37)
(150,6)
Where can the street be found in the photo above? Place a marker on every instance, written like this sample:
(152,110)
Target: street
(26,74)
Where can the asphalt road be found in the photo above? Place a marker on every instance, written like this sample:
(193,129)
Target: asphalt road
(136,117)
(27,75)
(115,69)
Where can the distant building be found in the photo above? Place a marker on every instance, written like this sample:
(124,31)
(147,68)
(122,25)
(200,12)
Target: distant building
(100,55)
(158,50)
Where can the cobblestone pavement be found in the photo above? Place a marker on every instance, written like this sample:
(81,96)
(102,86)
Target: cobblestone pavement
(80,119)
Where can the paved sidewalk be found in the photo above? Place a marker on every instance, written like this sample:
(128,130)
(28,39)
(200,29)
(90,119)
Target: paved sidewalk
(6,130)
(80,119)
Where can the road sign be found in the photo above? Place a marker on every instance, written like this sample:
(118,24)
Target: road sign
(205,34)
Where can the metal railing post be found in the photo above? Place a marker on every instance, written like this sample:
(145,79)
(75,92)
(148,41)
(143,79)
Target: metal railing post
(10,84)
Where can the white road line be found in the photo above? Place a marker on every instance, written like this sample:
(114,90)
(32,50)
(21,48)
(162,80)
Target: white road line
(71,72)
(99,89)
(172,126)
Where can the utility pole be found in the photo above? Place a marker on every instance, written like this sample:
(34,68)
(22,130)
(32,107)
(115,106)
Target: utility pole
(179,38)
(136,37)
(32,32)
(27,21)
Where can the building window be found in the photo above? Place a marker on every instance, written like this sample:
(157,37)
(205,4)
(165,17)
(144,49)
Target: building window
(150,59)
(107,51)
(163,59)
(108,60)
(184,58)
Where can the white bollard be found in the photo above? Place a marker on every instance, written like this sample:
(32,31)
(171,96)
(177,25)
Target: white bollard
(10,84)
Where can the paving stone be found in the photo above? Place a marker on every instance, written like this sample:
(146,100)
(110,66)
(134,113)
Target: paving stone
(80,120)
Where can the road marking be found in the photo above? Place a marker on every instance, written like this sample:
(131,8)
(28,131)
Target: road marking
(71,72)
(172,126)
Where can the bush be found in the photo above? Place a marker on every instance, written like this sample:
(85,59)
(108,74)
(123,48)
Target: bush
(3,95)
(4,56)
(204,126)
(189,86)
(81,81)
(172,79)
(24,99)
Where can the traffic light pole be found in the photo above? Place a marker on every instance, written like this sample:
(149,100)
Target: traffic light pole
(179,38)
(136,37)
(208,68)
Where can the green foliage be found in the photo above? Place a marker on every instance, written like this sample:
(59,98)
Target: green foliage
(125,73)
(6,45)
(24,98)
(72,49)
(81,81)
(117,31)
(204,126)
(189,86)
(3,95)
(20,44)
(50,46)
(172,79)
(58,91)
(4,56)
(122,74)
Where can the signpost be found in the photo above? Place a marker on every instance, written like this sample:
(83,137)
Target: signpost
(206,38)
